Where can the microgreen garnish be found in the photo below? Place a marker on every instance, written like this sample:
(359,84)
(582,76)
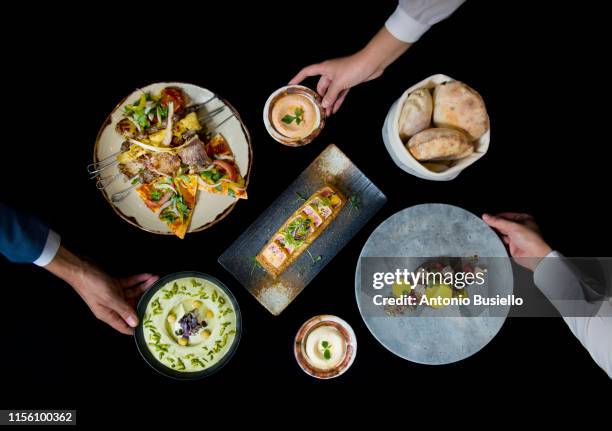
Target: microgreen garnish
(314,260)
(300,198)
(298,117)
(326,349)
(256,264)
(297,230)
(354,202)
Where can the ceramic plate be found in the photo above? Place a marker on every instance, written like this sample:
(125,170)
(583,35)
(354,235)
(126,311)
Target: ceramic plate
(436,336)
(330,167)
(141,341)
(210,208)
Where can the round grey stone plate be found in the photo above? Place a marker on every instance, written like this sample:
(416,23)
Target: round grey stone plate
(436,336)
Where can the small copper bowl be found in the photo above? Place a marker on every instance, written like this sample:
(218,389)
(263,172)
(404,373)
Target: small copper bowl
(316,100)
(347,333)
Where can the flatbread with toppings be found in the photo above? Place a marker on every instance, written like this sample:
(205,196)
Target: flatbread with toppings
(173,199)
(167,151)
(222,176)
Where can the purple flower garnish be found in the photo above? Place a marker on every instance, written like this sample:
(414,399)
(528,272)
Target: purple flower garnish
(189,324)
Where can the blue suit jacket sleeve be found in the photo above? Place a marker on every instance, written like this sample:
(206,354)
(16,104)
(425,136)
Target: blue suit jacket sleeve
(22,236)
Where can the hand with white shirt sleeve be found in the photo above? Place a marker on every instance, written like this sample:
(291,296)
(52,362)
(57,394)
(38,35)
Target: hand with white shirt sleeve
(339,75)
(560,282)
(405,26)
(522,236)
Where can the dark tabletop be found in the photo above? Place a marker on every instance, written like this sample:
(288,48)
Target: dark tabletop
(549,156)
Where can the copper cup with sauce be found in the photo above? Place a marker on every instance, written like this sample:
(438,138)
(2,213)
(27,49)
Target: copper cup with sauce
(325,346)
(293,115)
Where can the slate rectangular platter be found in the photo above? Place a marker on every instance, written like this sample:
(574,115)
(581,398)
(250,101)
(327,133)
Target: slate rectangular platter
(330,167)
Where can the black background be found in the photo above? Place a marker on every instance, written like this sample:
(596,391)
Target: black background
(539,69)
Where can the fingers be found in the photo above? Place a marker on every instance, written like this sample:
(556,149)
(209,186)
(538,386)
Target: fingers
(312,70)
(125,310)
(113,319)
(340,100)
(133,280)
(501,224)
(323,85)
(517,217)
(331,96)
(136,291)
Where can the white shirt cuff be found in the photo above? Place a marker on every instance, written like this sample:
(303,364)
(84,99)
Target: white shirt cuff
(553,277)
(405,28)
(49,250)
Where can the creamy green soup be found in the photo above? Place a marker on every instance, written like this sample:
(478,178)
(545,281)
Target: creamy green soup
(189,324)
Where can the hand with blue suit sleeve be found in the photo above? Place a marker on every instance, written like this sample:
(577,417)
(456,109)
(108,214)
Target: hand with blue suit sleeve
(26,239)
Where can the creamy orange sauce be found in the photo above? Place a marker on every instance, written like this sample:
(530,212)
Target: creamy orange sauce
(295,106)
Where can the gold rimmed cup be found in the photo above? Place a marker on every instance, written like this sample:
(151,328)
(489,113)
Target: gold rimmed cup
(325,346)
(293,115)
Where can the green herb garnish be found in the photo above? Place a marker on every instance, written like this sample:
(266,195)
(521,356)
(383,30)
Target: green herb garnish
(155,196)
(326,349)
(156,306)
(212,175)
(167,216)
(300,198)
(298,117)
(296,232)
(314,260)
(181,206)
(354,202)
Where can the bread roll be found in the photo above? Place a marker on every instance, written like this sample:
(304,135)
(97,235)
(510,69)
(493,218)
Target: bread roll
(437,167)
(416,113)
(458,106)
(440,144)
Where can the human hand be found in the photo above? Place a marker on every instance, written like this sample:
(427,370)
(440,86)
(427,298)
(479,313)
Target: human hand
(339,75)
(522,236)
(112,300)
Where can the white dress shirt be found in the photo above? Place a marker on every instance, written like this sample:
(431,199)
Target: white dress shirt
(50,249)
(560,283)
(413,18)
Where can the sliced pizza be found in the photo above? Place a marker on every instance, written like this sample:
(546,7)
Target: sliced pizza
(223,175)
(173,199)
(157,193)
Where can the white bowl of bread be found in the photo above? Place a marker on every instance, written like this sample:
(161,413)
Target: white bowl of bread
(437,128)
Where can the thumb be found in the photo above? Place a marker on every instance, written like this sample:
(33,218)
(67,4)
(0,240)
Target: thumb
(501,224)
(126,312)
